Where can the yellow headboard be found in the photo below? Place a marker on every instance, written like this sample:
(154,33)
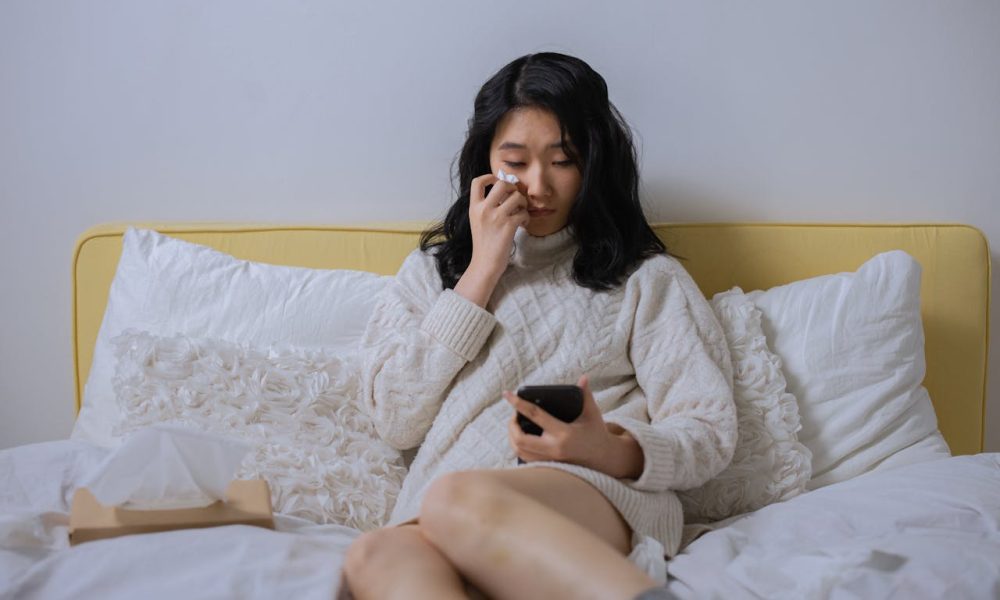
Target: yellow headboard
(954,293)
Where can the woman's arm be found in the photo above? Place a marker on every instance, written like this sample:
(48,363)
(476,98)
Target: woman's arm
(493,218)
(418,338)
(626,460)
(682,366)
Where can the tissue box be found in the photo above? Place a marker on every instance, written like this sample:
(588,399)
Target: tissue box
(248,502)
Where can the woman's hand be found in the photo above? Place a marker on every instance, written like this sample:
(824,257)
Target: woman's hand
(588,441)
(494,218)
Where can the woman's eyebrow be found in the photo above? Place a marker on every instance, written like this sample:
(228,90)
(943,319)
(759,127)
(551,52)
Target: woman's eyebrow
(516,146)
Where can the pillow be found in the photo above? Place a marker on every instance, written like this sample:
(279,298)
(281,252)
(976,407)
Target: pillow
(852,349)
(769,464)
(298,408)
(168,286)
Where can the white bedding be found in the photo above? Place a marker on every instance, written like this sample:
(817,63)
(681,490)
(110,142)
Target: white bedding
(300,560)
(928,530)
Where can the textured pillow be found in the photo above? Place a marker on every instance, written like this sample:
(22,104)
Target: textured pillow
(316,448)
(769,464)
(168,286)
(852,349)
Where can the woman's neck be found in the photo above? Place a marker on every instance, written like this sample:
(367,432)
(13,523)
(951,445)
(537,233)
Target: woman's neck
(531,251)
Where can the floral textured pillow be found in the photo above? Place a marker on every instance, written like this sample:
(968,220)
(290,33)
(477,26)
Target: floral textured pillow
(316,448)
(769,463)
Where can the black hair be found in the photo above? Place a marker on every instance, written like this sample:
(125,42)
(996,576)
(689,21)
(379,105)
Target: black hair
(612,234)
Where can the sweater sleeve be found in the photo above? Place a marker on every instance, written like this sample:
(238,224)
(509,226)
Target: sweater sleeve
(683,368)
(417,340)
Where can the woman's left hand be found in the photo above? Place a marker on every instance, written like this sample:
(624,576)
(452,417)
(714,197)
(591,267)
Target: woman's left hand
(587,441)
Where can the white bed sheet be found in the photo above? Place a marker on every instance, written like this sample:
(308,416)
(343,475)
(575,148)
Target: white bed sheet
(927,530)
(300,560)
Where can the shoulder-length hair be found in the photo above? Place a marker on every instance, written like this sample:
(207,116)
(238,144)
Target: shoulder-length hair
(612,234)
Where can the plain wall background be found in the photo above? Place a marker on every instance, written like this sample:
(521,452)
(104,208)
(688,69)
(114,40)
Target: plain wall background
(348,112)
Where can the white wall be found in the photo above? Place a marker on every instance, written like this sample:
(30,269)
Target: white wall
(340,112)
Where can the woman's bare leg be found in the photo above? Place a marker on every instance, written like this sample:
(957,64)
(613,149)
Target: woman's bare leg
(529,533)
(398,562)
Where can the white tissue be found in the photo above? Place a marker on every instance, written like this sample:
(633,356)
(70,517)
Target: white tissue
(167,467)
(508,177)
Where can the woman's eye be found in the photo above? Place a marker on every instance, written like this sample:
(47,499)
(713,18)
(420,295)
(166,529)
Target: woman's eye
(513,164)
(564,163)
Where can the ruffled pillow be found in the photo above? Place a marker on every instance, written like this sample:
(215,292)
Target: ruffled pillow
(313,444)
(769,463)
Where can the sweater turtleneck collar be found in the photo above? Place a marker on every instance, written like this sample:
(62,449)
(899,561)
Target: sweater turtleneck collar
(531,251)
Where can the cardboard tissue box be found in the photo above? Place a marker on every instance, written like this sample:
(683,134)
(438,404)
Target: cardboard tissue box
(164,478)
(248,502)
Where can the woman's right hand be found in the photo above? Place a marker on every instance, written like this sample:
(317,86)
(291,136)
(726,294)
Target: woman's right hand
(493,218)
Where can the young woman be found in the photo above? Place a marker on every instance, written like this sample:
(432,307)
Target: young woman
(554,278)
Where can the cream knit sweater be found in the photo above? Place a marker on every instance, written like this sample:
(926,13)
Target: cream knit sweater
(435,364)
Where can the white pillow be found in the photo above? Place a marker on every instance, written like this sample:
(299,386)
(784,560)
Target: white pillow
(299,409)
(769,464)
(168,286)
(852,348)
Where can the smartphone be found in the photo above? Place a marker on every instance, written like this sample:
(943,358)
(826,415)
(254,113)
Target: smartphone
(564,402)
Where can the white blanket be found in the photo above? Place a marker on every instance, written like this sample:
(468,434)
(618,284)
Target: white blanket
(928,530)
(300,560)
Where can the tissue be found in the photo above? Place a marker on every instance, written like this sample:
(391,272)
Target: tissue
(508,177)
(167,467)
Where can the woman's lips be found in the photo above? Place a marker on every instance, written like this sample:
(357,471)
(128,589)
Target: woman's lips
(540,212)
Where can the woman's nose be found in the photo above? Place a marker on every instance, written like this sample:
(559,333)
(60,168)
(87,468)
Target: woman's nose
(537,182)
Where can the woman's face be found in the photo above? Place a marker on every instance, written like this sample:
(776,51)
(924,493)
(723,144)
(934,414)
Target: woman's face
(528,144)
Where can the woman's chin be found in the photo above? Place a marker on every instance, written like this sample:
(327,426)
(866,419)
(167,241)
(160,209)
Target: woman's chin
(538,228)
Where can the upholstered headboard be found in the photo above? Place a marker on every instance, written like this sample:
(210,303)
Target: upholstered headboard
(954,292)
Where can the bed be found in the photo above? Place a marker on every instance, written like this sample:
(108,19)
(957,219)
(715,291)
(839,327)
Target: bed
(909,524)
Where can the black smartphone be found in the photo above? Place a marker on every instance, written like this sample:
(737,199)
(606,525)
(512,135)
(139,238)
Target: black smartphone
(564,402)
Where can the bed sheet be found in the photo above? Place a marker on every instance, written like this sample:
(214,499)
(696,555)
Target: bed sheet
(298,560)
(926,530)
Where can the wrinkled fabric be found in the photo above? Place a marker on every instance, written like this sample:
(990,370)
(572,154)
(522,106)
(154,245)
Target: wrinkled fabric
(298,408)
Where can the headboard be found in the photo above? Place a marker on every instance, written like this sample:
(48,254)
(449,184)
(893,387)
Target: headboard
(954,292)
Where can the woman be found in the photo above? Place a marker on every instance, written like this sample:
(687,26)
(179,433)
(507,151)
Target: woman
(552,277)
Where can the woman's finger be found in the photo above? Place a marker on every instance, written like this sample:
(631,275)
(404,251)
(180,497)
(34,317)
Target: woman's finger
(528,447)
(519,209)
(536,413)
(590,407)
(512,430)
(477,189)
(532,411)
(516,203)
(519,439)
(501,191)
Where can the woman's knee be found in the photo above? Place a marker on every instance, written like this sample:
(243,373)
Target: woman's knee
(466,505)
(370,554)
